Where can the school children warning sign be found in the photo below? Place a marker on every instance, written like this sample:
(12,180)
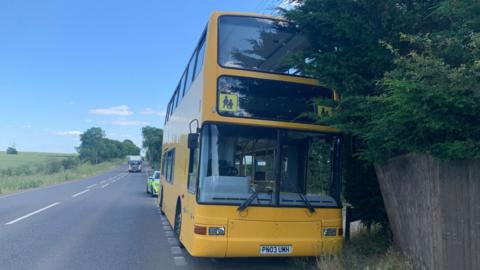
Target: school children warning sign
(228,103)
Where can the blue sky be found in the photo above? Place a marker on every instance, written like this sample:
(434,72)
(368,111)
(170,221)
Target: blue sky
(66,66)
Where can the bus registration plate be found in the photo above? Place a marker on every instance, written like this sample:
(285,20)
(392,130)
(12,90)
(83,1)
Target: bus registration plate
(275,250)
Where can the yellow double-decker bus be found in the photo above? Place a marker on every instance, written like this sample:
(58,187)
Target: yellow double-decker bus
(246,172)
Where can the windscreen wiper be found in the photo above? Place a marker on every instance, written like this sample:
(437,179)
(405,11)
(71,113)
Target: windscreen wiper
(247,202)
(307,202)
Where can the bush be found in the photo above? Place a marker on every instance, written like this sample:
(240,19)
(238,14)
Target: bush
(408,72)
(70,163)
(11,151)
(7,172)
(23,170)
(53,167)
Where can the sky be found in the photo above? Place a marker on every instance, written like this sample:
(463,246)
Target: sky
(66,66)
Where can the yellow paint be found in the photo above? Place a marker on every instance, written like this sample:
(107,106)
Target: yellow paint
(256,226)
(228,103)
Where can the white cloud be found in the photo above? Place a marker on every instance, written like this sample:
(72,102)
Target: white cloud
(74,133)
(150,111)
(129,123)
(118,136)
(122,110)
(87,120)
(288,4)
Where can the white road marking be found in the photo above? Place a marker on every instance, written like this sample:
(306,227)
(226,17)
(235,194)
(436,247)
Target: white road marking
(179,261)
(176,250)
(32,213)
(172,241)
(106,185)
(80,193)
(91,186)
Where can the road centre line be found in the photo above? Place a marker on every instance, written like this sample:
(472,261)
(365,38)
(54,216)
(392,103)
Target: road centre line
(106,185)
(80,193)
(32,213)
(91,186)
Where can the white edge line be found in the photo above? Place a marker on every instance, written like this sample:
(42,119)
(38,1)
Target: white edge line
(91,186)
(80,193)
(32,213)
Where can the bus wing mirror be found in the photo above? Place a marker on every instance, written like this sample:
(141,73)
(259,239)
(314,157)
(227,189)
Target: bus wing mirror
(193,140)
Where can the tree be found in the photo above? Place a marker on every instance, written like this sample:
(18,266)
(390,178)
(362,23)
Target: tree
(12,150)
(431,100)
(129,148)
(346,54)
(387,57)
(96,148)
(152,142)
(407,71)
(92,145)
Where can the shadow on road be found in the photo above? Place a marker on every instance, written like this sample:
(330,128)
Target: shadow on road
(253,263)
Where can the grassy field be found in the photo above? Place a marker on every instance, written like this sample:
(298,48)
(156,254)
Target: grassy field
(31,170)
(28,158)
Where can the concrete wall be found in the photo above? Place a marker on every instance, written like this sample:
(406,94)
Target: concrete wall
(434,210)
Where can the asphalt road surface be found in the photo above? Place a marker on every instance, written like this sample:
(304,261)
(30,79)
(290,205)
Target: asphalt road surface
(104,222)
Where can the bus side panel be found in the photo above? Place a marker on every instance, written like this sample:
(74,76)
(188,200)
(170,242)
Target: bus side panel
(168,195)
(175,136)
(188,220)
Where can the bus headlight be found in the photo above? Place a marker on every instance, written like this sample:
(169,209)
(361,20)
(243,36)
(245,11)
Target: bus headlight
(216,231)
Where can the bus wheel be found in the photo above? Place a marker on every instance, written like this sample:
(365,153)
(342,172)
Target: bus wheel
(160,204)
(178,223)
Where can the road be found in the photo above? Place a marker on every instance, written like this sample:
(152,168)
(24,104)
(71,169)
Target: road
(103,222)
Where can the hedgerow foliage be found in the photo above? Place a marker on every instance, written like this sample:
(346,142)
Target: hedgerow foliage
(408,75)
(408,72)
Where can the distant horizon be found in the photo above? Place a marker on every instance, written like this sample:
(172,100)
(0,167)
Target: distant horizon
(35,152)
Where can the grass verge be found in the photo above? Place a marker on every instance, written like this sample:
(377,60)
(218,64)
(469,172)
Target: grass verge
(15,183)
(366,251)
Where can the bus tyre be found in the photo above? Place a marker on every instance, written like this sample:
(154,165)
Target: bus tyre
(160,204)
(178,224)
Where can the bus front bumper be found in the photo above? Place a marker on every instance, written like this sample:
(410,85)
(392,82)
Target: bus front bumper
(269,239)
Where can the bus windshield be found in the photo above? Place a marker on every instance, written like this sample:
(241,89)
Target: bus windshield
(281,167)
(258,44)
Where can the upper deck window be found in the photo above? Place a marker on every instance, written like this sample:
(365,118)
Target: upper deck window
(258,44)
(272,100)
